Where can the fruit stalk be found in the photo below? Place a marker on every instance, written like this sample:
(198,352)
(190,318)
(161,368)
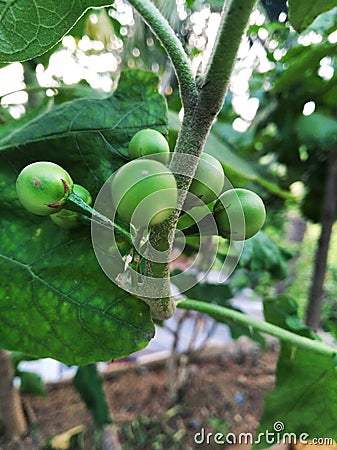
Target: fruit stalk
(97,217)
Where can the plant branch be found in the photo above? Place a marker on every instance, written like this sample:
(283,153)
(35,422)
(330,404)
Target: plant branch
(214,82)
(200,105)
(218,311)
(200,109)
(212,88)
(173,47)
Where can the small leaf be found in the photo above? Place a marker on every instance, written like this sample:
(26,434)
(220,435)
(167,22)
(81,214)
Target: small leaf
(302,14)
(31,383)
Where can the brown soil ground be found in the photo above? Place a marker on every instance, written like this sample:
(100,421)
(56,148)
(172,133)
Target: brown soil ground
(222,393)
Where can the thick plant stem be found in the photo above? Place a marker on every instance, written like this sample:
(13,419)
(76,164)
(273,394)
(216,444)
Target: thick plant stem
(218,311)
(214,82)
(202,101)
(173,47)
(161,303)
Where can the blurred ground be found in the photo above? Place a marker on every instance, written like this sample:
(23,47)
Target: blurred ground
(222,392)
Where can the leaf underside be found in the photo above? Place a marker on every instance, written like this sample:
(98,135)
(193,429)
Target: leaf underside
(302,14)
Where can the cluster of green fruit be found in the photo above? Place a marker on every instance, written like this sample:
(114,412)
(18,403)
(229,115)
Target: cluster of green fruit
(144,191)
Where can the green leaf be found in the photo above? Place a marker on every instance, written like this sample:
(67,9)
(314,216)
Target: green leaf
(304,399)
(55,300)
(283,312)
(89,137)
(88,384)
(325,23)
(318,129)
(302,14)
(8,124)
(28,29)
(302,64)
(32,383)
(261,253)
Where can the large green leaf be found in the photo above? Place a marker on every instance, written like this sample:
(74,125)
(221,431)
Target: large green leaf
(304,401)
(89,137)
(303,13)
(30,28)
(54,298)
(56,301)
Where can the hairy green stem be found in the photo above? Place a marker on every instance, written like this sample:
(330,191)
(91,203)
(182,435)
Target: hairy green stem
(212,86)
(202,101)
(218,311)
(214,82)
(161,304)
(173,47)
